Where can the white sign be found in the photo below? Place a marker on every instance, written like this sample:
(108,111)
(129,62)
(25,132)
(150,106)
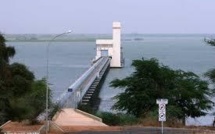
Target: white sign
(162,109)
(161,101)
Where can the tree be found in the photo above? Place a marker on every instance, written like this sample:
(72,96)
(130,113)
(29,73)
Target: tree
(188,95)
(5,54)
(210,41)
(211,73)
(21,96)
(36,99)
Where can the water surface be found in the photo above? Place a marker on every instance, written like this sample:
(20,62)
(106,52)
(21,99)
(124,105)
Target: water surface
(68,60)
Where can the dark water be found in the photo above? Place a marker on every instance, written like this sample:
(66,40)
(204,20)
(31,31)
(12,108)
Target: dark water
(67,60)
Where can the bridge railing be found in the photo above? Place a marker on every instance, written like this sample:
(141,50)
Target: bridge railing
(76,91)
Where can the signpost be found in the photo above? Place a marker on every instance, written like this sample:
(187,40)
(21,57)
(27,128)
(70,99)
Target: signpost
(162,111)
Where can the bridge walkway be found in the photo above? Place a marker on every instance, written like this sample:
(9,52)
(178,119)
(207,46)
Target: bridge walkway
(84,87)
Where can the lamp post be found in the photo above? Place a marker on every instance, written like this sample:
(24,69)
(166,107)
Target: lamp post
(47,76)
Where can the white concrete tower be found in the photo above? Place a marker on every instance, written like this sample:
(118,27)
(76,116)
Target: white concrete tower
(111,47)
(116,57)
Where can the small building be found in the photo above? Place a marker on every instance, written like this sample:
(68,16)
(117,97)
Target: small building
(111,47)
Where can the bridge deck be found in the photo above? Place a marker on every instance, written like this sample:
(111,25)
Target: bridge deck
(84,85)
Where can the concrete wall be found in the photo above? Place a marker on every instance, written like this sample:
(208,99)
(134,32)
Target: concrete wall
(104,45)
(113,46)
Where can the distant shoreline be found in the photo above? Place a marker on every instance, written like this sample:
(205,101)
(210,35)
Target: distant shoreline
(93,37)
(49,40)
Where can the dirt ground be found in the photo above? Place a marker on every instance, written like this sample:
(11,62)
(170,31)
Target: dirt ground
(133,130)
(72,122)
(20,126)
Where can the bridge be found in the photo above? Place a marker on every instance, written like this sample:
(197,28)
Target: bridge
(83,88)
(108,54)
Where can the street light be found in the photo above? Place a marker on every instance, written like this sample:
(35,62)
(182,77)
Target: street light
(47,75)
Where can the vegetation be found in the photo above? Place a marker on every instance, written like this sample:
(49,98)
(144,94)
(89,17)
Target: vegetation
(1,131)
(210,41)
(118,119)
(188,95)
(211,73)
(21,96)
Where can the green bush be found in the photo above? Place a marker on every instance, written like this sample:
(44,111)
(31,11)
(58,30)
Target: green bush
(117,119)
(86,108)
(127,119)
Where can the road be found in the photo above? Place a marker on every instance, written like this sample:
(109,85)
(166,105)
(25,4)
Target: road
(148,130)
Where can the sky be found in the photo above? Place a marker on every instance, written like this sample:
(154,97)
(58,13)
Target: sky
(96,16)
